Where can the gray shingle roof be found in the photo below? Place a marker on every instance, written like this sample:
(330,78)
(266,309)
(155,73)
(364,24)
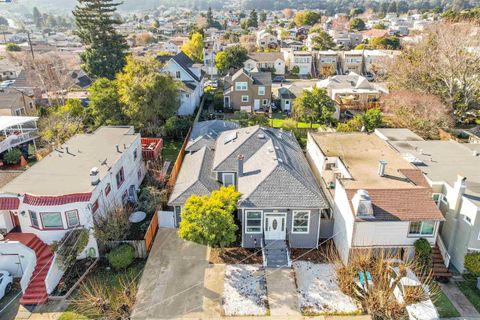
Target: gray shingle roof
(206,132)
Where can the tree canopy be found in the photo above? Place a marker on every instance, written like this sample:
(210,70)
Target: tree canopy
(194,47)
(105,48)
(323,41)
(209,220)
(357,24)
(306,18)
(315,106)
(231,57)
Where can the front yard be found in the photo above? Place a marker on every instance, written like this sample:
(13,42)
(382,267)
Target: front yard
(279,118)
(444,306)
(235,255)
(469,289)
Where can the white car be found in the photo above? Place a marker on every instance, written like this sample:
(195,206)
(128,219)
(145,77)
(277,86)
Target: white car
(424,310)
(6,280)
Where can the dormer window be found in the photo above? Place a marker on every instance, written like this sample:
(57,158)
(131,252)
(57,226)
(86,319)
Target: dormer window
(228,179)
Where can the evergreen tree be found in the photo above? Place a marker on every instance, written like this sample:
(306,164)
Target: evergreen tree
(37,17)
(210,20)
(253,19)
(105,48)
(392,8)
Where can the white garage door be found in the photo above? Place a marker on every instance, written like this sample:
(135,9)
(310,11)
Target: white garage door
(166,219)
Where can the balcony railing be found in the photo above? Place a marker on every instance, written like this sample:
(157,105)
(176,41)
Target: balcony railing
(16,139)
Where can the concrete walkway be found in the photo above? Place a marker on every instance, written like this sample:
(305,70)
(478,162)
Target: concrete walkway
(281,292)
(458,299)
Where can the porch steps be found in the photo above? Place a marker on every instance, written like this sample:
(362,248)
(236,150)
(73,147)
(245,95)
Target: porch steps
(276,254)
(439,270)
(36,292)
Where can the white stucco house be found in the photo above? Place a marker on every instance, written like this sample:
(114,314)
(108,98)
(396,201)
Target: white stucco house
(266,61)
(301,59)
(84,177)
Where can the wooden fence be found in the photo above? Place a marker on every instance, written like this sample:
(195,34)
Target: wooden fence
(178,164)
(151,232)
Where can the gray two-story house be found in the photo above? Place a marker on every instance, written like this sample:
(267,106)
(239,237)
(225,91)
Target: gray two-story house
(280,204)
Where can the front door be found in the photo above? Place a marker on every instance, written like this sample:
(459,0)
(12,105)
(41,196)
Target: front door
(256,104)
(275,226)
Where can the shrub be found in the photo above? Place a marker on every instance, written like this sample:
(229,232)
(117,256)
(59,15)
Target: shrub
(12,156)
(423,254)
(111,226)
(151,199)
(472,263)
(13,47)
(121,257)
(70,246)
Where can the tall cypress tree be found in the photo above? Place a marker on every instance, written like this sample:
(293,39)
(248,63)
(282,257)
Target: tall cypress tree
(105,51)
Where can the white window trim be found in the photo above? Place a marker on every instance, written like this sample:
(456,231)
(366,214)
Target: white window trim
(308,221)
(245,100)
(265,102)
(420,235)
(262,93)
(228,174)
(246,221)
(239,86)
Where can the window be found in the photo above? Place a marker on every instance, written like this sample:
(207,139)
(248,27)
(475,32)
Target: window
(108,188)
(34,219)
(177,75)
(439,198)
(287,102)
(120,177)
(72,218)
(468,220)
(265,102)
(261,91)
(51,220)
(300,221)
(135,154)
(244,98)
(253,222)
(20,112)
(241,86)
(125,197)
(95,206)
(421,228)
(326,214)
(228,179)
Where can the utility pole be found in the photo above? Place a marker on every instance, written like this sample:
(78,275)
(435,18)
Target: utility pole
(30,43)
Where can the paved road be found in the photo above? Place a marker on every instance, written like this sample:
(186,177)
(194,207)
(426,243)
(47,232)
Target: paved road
(172,282)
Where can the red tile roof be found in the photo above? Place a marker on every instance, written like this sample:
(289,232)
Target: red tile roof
(406,204)
(416,176)
(56,200)
(9,203)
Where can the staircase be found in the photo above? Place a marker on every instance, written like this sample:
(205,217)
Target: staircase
(36,292)
(438,268)
(276,254)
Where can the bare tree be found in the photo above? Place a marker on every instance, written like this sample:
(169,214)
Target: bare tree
(445,63)
(422,113)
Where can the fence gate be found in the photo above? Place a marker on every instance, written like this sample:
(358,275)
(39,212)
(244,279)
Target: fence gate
(166,219)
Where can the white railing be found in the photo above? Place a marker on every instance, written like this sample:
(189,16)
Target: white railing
(55,273)
(443,251)
(14,140)
(264,257)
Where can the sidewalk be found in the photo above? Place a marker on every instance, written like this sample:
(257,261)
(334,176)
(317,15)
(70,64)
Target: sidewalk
(461,303)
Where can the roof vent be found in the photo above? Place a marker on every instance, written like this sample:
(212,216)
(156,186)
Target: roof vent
(94,178)
(261,136)
(362,204)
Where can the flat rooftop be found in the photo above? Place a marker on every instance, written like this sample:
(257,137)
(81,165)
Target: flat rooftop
(400,134)
(63,172)
(361,154)
(442,161)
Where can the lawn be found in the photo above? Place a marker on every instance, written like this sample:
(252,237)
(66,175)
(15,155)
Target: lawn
(469,289)
(444,306)
(279,118)
(171,148)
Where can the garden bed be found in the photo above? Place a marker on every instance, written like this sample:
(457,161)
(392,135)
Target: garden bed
(245,293)
(235,255)
(314,256)
(319,292)
(72,277)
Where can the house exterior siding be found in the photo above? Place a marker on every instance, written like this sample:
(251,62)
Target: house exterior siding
(252,93)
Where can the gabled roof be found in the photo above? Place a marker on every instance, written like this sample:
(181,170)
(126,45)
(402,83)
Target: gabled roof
(183,61)
(266,56)
(258,78)
(206,133)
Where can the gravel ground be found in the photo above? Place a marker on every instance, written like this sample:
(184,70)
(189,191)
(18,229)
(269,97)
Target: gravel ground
(244,292)
(318,290)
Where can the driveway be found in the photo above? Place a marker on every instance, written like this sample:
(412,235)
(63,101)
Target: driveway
(172,284)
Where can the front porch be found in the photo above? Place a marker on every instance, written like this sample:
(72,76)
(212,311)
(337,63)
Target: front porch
(15,131)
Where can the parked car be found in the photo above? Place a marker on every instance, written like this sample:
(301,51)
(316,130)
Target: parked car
(6,281)
(278,79)
(423,310)
(369,76)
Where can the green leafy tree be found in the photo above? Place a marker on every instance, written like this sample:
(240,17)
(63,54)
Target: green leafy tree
(148,96)
(315,106)
(3,21)
(12,156)
(263,16)
(231,57)
(306,18)
(37,18)
(357,24)
(352,125)
(372,119)
(209,220)
(356,11)
(472,263)
(323,41)
(380,26)
(210,20)
(194,47)
(392,7)
(105,48)
(105,107)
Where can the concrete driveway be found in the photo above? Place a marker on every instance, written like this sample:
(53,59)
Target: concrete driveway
(172,284)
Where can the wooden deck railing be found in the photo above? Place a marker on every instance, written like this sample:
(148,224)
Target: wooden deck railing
(151,231)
